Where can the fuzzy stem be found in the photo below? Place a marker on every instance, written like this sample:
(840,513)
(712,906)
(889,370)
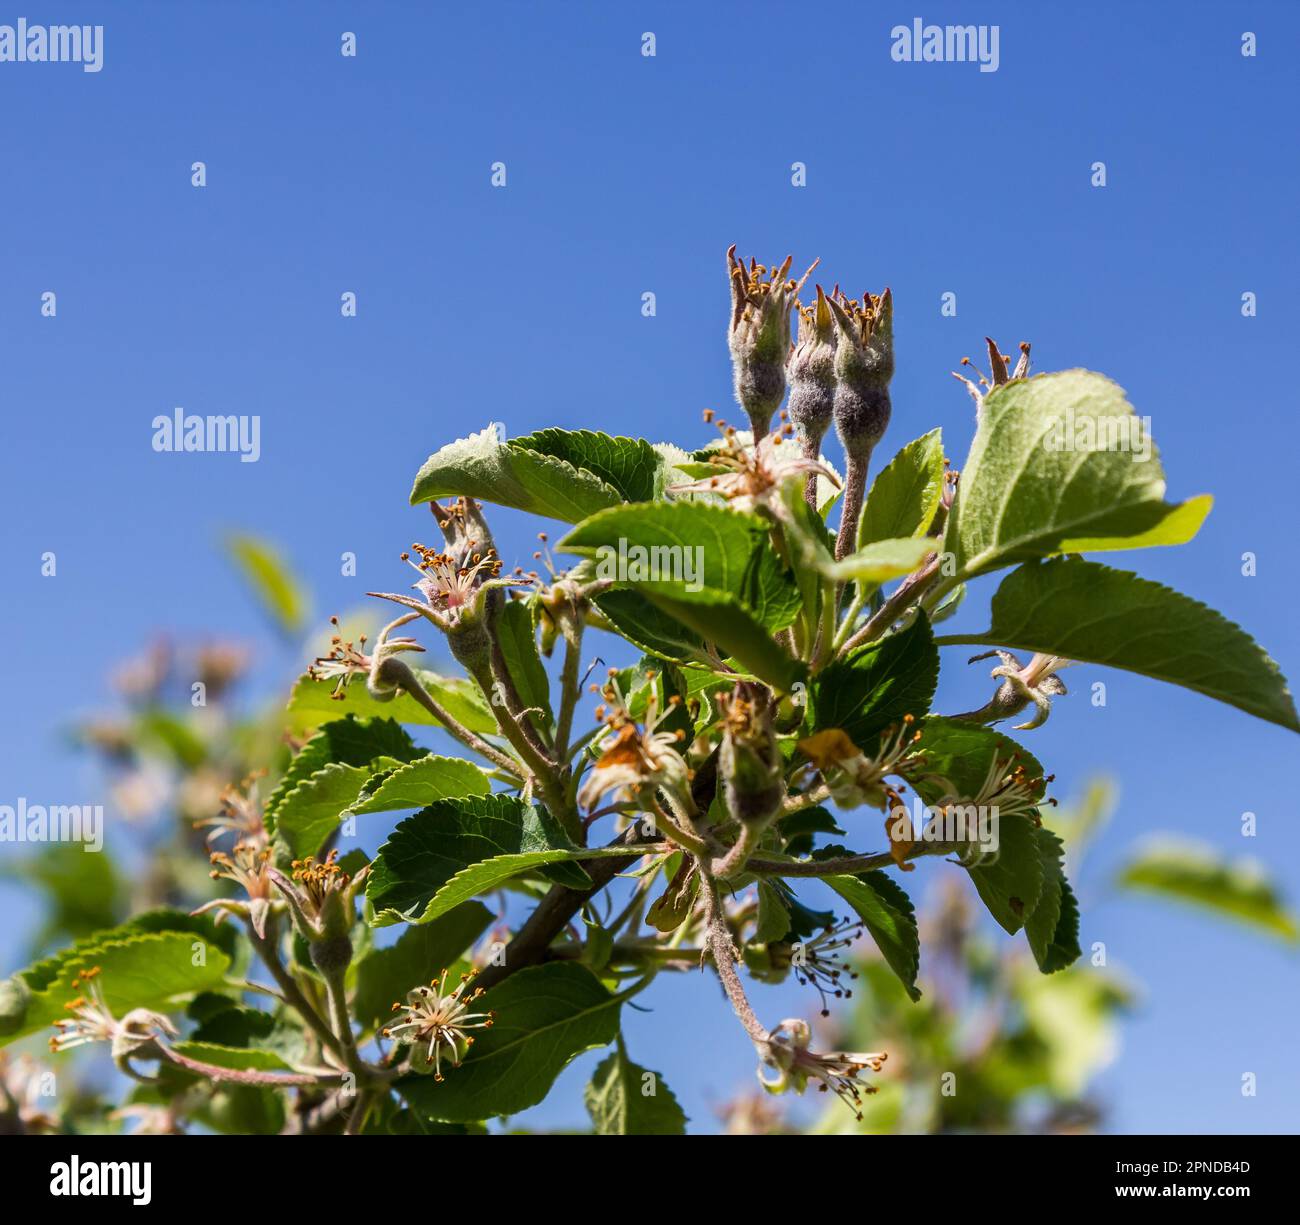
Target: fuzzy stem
(570,685)
(855,484)
(811,449)
(395,672)
(265,946)
(724,961)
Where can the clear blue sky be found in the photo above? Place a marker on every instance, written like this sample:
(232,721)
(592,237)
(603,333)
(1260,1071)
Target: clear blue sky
(628,174)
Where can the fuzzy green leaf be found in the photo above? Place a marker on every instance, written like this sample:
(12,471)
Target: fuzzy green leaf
(888,914)
(903,499)
(638,471)
(486,467)
(1020,499)
(1086,611)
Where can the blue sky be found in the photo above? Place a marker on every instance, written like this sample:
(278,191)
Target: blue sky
(629,174)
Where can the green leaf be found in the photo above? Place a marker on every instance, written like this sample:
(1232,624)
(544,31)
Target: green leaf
(1010,879)
(773,922)
(724,621)
(384,976)
(1194,874)
(623,1099)
(137,970)
(878,684)
(882,560)
(696,562)
(1053,927)
(1086,611)
(486,467)
(310,703)
(514,634)
(275,587)
(422,782)
(905,496)
(1020,499)
(888,914)
(631,466)
(545,1015)
(669,547)
(309,801)
(312,810)
(649,627)
(455,849)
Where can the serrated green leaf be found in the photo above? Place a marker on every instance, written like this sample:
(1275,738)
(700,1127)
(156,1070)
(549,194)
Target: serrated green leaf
(633,467)
(545,1015)
(1020,499)
(1085,611)
(878,684)
(1194,874)
(486,467)
(455,849)
(271,581)
(138,970)
(1053,928)
(886,910)
(903,499)
(384,976)
(624,1099)
(1010,879)
(422,782)
(308,814)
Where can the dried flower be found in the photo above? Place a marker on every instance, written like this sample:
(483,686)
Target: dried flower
(91,1020)
(998,373)
(787,1051)
(640,759)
